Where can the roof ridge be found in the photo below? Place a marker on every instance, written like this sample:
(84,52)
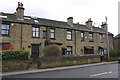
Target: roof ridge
(52,20)
(7,13)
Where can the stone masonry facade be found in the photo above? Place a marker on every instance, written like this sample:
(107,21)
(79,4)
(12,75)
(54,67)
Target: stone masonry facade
(18,31)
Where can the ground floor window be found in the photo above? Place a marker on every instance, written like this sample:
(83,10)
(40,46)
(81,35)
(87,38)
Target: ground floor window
(69,50)
(105,51)
(81,52)
(88,50)
(5,46)
(101,51)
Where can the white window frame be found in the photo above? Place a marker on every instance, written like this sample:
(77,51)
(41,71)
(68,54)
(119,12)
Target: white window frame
(69,35)
(35,32)
(5,28)
(52,33)
(69,50)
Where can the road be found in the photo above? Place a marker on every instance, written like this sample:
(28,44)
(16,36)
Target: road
(101,71)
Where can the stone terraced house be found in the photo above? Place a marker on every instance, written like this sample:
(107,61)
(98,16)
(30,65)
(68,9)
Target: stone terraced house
(33,33)
(117,42)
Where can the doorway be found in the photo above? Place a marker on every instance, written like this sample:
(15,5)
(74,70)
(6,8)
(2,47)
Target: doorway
(35,50)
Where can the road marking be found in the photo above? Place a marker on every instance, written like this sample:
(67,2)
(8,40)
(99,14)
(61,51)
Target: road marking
(100,74)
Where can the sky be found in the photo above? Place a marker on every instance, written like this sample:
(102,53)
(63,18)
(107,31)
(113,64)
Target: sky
(80,10)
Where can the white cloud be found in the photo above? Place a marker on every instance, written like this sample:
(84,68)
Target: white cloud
(81,10)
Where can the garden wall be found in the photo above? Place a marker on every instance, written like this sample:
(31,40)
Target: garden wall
(46,62)
(14,65)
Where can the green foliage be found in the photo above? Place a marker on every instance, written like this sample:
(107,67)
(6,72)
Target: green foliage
(15,55)
(52,50)
(114,53)
(23,48)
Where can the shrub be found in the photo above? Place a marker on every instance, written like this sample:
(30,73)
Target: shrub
(114,53)
(15,55)
(52,50)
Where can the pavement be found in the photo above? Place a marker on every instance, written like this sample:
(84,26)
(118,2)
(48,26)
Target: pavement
(56,68)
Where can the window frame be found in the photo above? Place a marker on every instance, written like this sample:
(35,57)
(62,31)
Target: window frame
(4,47)
(101,38)
(91,40)
(44,34)
(82,38)
(36,32)
(8,30)
(81,51)
(52,33)
(69,52)
(67,34)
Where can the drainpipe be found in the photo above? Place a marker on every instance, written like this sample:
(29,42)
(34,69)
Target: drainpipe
(75,40)
(21,35)
(47,35)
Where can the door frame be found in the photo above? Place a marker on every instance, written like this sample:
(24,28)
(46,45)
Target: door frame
(38,50)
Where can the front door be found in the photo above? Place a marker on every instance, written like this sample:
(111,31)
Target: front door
(35,50)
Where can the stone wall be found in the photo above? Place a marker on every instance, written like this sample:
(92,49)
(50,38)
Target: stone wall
(46,62)
(14,65)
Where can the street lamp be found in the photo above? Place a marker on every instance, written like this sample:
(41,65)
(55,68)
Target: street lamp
(107,39)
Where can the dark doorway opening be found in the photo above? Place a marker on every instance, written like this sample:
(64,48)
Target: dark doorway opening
(64,51)
(89,50)
(35,50)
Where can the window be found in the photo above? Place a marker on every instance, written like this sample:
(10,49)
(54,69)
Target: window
(81,51)
(36,21)
(5,46)
(88,50)
(90,36)
(35,32)
(101,38)
(5,29)
(101,51)
(52,33)
(44,34)
(69,35)
(82,36)
(69,50)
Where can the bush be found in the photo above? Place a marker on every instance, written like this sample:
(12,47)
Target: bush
(15,55)
(52,50)
(114,53)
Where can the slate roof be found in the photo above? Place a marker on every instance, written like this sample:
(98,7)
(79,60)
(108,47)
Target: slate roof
(48,23)
(117,36)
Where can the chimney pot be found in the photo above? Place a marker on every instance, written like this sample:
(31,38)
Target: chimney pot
(70,21)
(20,11)
(89,23)
(89,19)
(104,26)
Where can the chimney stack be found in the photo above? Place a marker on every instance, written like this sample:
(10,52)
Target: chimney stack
(104,26)
(20,11)
(89,23)
(70,21)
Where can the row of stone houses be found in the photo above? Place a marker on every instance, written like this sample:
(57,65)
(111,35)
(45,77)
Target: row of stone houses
(33,33)
(117,42)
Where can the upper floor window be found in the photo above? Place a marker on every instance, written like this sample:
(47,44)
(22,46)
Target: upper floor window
(35,32)
(52,33)
(82,36)
(5,29)
(101,38)
(69,50)
(44,34)
(91,37)
(69,35)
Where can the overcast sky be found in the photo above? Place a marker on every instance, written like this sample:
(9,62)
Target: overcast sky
(60,10)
